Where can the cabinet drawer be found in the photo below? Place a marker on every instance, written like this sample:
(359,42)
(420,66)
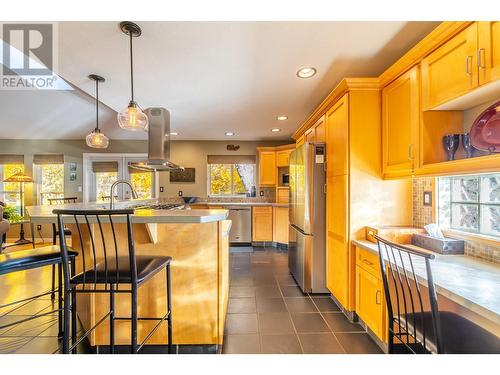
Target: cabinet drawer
(263,210)
(368,261)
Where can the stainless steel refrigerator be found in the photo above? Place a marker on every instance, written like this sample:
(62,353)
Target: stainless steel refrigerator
(306,247)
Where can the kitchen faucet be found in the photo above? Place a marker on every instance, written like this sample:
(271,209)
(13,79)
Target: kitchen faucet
(118,182)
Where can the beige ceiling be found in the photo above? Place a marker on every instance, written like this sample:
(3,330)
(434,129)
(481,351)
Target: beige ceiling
(212,76)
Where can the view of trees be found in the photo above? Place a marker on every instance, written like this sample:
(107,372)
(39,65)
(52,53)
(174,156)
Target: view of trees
(11,189)
(229,179)
(103,182)
(52,182)
(143,184)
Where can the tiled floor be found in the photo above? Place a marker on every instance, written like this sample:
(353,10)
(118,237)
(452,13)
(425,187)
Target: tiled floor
(268,313)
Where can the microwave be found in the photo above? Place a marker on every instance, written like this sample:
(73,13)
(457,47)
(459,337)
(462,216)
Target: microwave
(285,179)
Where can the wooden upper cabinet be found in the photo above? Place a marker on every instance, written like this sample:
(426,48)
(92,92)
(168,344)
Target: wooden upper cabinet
(267,168)
(283,158)
(300,140)
(488,55)
(320,131)
(400,124)
(337,138)
(451,70)
(310,135)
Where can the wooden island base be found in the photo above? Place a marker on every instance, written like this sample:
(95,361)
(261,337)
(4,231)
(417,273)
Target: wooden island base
(200,284)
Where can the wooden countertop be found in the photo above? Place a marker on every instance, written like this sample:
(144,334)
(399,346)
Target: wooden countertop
(468,281)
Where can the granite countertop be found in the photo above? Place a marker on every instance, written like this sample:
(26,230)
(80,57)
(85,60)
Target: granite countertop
(244,204)
(468,281)
(43,214)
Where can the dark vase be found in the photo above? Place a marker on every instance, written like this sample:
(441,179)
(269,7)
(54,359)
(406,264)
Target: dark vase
(467,145)
(450,143)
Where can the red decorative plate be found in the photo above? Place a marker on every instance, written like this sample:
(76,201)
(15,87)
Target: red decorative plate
(485,131)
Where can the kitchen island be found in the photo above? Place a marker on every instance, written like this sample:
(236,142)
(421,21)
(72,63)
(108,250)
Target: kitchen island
(197,241)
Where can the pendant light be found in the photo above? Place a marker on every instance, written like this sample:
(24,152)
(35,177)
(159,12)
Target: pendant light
(132,118)
(96,139)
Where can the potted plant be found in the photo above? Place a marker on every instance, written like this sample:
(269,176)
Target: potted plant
(10,213)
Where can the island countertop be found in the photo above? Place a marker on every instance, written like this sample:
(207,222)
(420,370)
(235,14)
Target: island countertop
(44,215)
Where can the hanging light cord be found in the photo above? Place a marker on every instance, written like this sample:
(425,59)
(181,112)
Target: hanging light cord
(97,103)
(131,67)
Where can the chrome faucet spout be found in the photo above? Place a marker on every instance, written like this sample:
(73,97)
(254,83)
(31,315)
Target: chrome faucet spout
(116,183)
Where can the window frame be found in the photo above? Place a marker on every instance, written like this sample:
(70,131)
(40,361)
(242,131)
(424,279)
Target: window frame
(2,183)
(483,238)
(232,195)
(38,178)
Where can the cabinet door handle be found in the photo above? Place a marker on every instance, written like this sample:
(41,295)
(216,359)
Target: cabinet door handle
(468,63)
(480,54)
(366,261)
(378,299)
(410,152)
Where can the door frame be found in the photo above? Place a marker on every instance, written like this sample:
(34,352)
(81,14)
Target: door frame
(88,158)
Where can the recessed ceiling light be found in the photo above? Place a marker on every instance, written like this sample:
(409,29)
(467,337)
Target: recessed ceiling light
(275,130)
(282,118)
(306,72)
(229,134)
(174,133)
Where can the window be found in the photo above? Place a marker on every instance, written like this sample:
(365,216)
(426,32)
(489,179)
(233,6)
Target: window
(9,191)
(142,183)
(103,182)
(470,203)
(230,179)
(50,182)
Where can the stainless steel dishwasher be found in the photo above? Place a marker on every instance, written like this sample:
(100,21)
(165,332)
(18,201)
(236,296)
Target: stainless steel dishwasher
(241,228)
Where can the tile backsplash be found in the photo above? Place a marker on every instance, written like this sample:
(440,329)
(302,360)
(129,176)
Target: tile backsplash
(422,215)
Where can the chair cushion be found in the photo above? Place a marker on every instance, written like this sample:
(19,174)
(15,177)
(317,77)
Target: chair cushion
(33,258)
(4,226)
(459,335)
(147,266)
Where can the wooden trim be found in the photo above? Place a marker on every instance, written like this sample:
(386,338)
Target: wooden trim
(345,85)
(435,39)
(276,148)
(479,238)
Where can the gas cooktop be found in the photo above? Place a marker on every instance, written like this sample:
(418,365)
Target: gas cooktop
(160,206)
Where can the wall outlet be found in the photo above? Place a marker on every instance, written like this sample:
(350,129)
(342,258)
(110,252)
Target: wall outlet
(161,189)
(180,193)
(38,227)
(79,189)
(261,193)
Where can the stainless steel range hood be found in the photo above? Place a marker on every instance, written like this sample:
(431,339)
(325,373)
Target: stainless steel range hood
(158,143)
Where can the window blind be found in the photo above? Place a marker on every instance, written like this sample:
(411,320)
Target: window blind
(41,159)
(231,159)
(11,159)
(104,166)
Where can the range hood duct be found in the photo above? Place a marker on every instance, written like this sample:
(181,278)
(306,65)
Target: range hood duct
(158,143)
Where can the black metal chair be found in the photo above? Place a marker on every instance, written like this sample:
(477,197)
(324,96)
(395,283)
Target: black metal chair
(416,325)
(55,234)
(29,259)
(109,272)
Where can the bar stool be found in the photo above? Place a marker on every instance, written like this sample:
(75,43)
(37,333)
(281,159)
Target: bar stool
(55,233)
(109,272)
(29,259)
(416,325)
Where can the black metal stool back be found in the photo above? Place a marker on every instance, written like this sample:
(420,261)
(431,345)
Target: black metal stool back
(100,265)
(408,305)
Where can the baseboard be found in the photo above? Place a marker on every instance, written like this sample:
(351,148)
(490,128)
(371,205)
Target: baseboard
(382,345)
(161,349)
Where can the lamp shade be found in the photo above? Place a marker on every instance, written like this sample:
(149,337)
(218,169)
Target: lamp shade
(19,177)
(96,139)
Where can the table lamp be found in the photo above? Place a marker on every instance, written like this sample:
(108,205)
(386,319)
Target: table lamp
(21,178)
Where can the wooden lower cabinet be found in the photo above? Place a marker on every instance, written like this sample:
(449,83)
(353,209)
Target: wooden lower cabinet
(370,303)
(280,224)
(262,224)
(282,195)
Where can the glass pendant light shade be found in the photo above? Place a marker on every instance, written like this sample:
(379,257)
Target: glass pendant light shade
(132,118)
(96,139)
